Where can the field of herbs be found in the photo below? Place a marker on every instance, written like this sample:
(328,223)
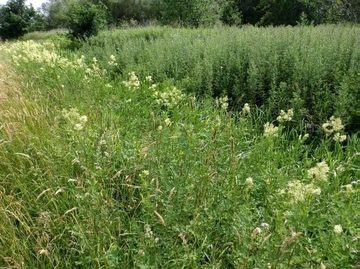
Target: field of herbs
(182,148)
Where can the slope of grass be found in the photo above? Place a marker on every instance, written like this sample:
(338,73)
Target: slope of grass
(98,171)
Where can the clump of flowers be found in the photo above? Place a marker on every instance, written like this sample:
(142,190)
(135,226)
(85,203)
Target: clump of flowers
(319,172)
(246,109)
(270,130)
(285,116)
(31,51)
(334,127)
(133,83)
(249,182)
(303,137)
(169,98)
(112,61)
(222,102)
(167,122)
(300,191)
(74,119)
(338,229)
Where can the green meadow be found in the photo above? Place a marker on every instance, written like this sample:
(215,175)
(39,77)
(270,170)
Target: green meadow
(163,147)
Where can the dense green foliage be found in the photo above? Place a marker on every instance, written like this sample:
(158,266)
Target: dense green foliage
(85,20)
(100,168)
(79,16)
(196,13)
(17,19)
(315,69)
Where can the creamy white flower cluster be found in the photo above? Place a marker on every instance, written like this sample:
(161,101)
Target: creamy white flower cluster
(45,54)
(285,116)
(271,130)
(169,98)
(300,191)
(222,102)
(319,172)
(30,51)
(334,127)
(133,83)
(74,119)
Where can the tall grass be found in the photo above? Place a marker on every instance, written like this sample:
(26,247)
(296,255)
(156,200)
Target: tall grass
(99,170)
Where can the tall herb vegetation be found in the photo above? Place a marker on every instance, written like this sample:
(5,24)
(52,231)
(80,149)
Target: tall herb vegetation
(102,167)
(313,69)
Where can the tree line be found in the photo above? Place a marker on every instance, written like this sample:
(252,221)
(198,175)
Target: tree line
(95,14)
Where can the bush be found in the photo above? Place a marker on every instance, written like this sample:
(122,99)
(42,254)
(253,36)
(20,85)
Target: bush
(85,20)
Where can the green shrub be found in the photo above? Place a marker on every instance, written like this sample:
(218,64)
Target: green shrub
(85,20)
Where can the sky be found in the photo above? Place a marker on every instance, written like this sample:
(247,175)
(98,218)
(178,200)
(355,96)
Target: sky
(36,3)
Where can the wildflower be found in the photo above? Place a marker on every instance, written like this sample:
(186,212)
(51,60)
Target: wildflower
(148,231)
(270,129)
(148,78)
(74,119)
(348,188)
(249,182)
(246,109)
(145,172)
(112,61)
(339,138)
(299,191)
(133,83)
(340,168)
(338,229)
(153,87)
(169,98)
(167,122)
(285,116)
(303,138)
(222,102)
(332,125)
(319,172)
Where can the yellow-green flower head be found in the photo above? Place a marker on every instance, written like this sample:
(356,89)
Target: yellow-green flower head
(246,109)
(319,172)
(338,229)
(285,116)
(270,129)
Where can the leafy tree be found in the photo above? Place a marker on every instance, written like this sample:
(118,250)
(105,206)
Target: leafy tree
(85,19)
(126,10)
(250,11)
(282,12)
(17,19)
(333,11)
(231,15)
(190,12)
(55,13)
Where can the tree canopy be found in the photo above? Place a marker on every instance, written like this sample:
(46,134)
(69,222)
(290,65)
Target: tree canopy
(17,19)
